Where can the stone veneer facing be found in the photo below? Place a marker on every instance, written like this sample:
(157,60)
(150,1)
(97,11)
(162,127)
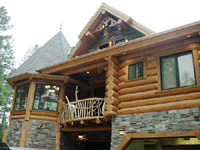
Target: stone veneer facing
(38,135)
(166,121)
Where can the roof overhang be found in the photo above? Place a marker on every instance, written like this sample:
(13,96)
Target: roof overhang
(143,43)
(30,76)
(104,10)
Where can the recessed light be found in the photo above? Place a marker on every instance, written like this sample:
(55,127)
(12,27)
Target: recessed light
(87,72)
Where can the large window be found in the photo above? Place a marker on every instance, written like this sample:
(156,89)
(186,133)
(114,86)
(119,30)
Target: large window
(46,97)
(135,71)
(177,71)
(21,97)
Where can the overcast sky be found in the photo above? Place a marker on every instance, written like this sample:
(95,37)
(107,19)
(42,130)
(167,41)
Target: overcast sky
(37,21)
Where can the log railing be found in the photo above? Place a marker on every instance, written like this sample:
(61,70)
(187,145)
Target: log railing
(82,110)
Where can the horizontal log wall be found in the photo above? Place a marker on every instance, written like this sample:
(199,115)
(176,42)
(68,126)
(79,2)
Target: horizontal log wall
(145,94)
(111,100)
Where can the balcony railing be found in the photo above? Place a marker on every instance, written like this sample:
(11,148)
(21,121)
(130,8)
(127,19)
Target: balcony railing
(86,109)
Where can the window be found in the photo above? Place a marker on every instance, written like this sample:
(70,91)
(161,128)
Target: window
(177,71)
(104,46)
(135,71)
(21,97)
(120,41)
(46,97)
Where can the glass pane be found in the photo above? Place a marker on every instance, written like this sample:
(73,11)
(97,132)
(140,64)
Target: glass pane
(120,41)
(186,70)
(46,97)
(131,72)
(139,70)
(21,97)
(104,46)
(168,73)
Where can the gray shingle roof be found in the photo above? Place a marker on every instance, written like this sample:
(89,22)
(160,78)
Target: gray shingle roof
(54,51)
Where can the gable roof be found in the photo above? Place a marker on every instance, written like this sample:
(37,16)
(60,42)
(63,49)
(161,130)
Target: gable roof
(104,11)
(54,51)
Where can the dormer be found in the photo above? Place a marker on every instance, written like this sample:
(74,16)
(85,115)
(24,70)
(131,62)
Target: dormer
(107,26)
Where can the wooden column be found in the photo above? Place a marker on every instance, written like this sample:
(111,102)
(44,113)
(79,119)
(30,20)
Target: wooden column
(30,100)
(57,145)
(61,99)
(23,138)
(12,105)
(5,135)
(112,87)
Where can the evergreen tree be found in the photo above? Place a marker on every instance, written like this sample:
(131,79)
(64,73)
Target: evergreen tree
(6,66)
(29,53)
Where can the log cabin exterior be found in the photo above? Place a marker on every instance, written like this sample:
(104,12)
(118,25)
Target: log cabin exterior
(136,88)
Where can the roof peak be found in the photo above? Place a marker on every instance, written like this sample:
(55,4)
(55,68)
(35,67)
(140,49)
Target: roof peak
(54,51)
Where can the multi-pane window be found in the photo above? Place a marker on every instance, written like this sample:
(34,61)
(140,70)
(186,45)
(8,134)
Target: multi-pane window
(135,71)
(21,97)
(177,71)
(46,97)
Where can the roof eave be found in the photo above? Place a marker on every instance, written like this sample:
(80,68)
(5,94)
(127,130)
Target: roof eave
(136,44)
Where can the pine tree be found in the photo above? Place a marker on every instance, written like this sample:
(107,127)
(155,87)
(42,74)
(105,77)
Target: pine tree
(6,66)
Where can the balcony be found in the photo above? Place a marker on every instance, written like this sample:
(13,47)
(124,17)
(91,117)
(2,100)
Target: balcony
(83,110)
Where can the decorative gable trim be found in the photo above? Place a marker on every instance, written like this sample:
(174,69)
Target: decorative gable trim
(94,27)
(105,23)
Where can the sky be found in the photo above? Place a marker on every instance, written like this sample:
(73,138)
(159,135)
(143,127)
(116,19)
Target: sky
(37,21)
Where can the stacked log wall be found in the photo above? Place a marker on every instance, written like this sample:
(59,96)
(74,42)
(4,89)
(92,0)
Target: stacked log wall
(112,88)
(143,95)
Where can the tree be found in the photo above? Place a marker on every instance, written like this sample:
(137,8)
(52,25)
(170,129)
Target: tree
(29,53)
(6,66)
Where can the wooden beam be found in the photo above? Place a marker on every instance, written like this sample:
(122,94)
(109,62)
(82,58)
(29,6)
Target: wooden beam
(61,100)
(123,25)
(85,68)
(160,100)
(161,107)
(136,45)
(23,138)
(29,104)
(5,135)
(12,105)
(91,36)
(86,129)
(57,144)
(131,136)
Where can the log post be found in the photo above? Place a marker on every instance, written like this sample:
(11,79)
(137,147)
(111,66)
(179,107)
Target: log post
(111,100)
(57,145)
(23,138)
(61,99)
(30,100)
(5,135)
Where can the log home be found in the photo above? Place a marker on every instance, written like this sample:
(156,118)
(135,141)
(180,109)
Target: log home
(122,86)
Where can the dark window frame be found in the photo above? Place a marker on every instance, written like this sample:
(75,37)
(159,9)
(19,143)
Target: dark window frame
(14,109)
(143,73)
(177,69)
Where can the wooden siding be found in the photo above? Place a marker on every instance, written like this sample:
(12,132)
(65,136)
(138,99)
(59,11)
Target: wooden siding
(143,95)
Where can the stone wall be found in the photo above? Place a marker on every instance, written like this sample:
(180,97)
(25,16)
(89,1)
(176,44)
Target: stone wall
(166,121)
(42,137)
(40,134)
(14,133)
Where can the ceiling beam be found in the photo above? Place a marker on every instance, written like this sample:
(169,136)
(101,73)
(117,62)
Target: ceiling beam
(91,36)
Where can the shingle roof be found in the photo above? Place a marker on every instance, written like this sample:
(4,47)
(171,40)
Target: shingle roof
(54,51)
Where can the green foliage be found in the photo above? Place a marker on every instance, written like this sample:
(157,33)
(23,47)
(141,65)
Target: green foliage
(29,53)
(6,66)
